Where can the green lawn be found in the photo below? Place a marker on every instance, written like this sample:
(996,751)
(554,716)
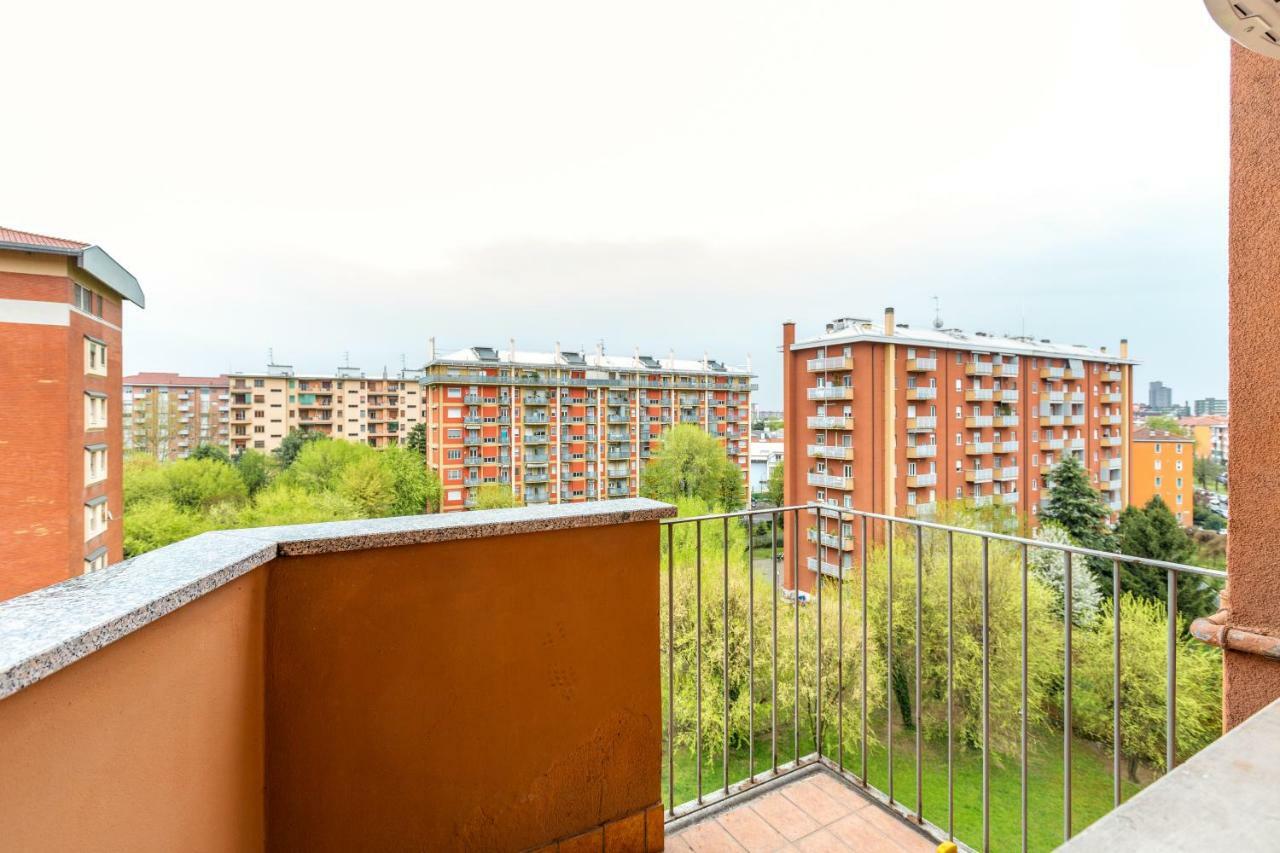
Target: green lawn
(1091,784)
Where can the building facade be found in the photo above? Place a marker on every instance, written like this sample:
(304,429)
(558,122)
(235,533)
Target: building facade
(564,427)
(765,457)
(347,404)
(168,415)
(893,420)
(1159,396)
(1210,406)
(61,314)
(1162,464)
(1212,436)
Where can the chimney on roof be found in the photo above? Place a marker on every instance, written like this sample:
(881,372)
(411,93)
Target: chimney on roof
(888,321)
(748,362)
(705,366)
(511,353)
(557,352)
(636,357)
(431,348)
(1124,347)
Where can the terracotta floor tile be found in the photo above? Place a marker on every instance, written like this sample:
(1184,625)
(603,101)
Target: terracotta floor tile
(895,828)
(821,841)
(751,830)
(784,816)
(860,835)
(708,836)
(675,844)
(840,792)
(817,803)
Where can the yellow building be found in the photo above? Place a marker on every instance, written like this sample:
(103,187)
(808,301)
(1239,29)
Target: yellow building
(1210,434)
(1161,464)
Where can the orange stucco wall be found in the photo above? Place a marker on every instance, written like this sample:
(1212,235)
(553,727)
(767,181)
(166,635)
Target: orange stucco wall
(488,694)
(1154,468)
(154,743)
(1254,588)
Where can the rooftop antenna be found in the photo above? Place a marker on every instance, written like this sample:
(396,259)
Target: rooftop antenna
(346,358)
(937,313)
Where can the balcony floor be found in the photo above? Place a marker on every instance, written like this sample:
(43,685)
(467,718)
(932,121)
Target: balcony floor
(815,812)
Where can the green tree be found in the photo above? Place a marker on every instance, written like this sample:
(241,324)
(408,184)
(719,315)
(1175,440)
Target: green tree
(291,445)
(254,468)
(197,485)
(283,503)
(1165,423)
(319,465)
(416,489)
(144,479)
(1206,471)
(775,491)
(212,452)
(367,484)
(1153,532)
(1074,504)
(1143,650)
(692,463)
(155,523)
(416,440)
(494,496)
(1050,566)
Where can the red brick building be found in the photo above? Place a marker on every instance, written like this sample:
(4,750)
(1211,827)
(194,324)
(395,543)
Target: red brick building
(61,306)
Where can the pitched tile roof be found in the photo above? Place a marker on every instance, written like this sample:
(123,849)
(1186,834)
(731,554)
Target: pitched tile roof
(26,238)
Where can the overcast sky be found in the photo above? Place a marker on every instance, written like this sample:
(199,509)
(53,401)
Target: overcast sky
(323,178)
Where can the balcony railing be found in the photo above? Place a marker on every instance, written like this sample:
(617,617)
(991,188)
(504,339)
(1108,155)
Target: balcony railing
(978,421)
(831,481)
(1008,473)
(830,422)
(839,362)
(1111,376)
(978,395)
(925,423)
(978,448)
(978,368)
(830,451)
(922,392)
(918,481)
(922,451)
(919,365)
(799,681)
(1007,395)
(978,475)
(1005,447)
(830,392)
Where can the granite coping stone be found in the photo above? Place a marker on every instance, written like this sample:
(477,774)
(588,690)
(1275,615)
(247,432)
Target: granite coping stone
(45,630)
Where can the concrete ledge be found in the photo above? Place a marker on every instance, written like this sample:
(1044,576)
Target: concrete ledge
(46,630)
(1226,797)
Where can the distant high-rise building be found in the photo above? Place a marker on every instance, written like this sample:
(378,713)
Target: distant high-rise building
(374,410)
(1159,396)
(890,419)
(61,500)
(169,416)
(1210,406)
(562,427)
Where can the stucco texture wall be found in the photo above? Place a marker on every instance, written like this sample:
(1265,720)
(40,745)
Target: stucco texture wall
(1254,585)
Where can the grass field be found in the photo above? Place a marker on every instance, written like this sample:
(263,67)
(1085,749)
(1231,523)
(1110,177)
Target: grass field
(1091,784)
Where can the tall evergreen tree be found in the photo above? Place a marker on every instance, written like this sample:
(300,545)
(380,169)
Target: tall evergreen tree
(1153,532)
(1074,504)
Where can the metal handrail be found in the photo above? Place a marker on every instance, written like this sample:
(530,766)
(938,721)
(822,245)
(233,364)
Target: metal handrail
(728,789)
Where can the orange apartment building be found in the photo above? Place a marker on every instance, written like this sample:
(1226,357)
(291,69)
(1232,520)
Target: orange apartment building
(347,404)
(168,415)
(562,427)
(61,310)
(1162,464)
(1211,434)
(886,418)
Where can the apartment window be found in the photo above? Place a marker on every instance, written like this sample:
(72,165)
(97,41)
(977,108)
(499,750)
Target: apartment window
(95,356)
(258,383)
(454,474)
(959,413)
(259,428)
(95,517)
(1177,465)
(1158,480)
(454,453)
(455,392)
(86,300)
(95,560)
(454,495)
(1179,501)
(959,439)
(1177,448)
(1157,450)
(259,444)
(95,410)
(958,386)
(1178,481)
(95,463)
(455,413)
(959,357)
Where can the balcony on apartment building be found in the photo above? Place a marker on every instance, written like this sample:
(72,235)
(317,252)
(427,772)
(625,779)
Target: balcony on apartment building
(831,481)
(978,448)
(979,475)
(830,392)
(1111,441)
(978,368)
(843,542)
(831,451)
(830,422)
(924,509)
(1009,446)
(921,365)
(1006,395)
(978,395)
(922,451)
(1008,367)
(917,481)
(834,363)
(978,421)
(926,423)
(922,392)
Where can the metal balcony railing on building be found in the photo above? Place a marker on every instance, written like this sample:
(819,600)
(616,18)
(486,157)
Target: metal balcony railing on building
(978,475)
(978,448)
(919,365)
(830,392)
(922,451)
(978,368)
(1111,441)
(831,481)
(848,633)
(978,421)
(922,393)
(1005,447)
(924,423)
(830,422)
(917,481)
(1008,473)
(1006,395)
(978,395)
(1051,420)
(839,362)
(830,451)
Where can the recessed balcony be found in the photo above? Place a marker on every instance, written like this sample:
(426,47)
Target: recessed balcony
(830,451)
(1007,498)
(830,392)
(828,568)
(1111,420)
(979,501)
(1053,443)
(1008,368)
(927,509)
(1110,397)
(1052,372)
(834,363)
(830,422)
